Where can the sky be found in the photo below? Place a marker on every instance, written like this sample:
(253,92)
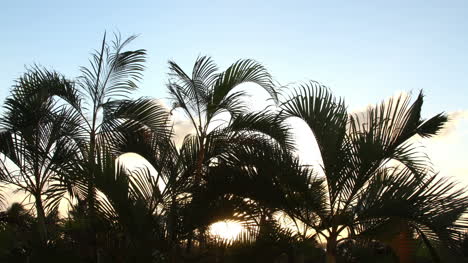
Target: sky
(365,51)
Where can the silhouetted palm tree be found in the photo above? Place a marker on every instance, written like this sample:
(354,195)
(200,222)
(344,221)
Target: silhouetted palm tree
(219,116)
(61,136)
(34,140)
(376,177)
(133,206)
(99,104)
(205,94)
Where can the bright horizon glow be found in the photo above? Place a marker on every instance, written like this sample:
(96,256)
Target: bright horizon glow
(226,230)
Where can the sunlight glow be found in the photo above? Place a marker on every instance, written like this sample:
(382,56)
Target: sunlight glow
(227,230)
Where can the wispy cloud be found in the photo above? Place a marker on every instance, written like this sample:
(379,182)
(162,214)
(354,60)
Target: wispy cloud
(456,118)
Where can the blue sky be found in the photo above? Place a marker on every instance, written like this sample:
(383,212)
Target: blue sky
(365,51)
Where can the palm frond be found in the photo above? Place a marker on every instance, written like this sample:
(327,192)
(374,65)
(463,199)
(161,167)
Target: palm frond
(112,71)
(430,205)
(266,123)
(327,118)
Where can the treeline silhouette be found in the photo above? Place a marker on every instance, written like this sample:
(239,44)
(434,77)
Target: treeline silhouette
(374,196)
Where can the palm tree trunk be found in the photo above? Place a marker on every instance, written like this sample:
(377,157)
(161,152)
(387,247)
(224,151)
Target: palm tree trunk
(403,243)
(199,167)
(172,231)
(41,220)
(331,250)
(264,223)
(90,197)
(198,176)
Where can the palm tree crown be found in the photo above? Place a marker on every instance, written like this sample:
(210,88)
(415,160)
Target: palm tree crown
(376,177)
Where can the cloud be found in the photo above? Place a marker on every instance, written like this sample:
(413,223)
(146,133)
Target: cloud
(305,142)
(449,150)
(455,119)
(182,127)
(181,124)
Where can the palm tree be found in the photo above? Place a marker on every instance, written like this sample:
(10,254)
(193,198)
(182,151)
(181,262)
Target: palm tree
(99,104)
(220,117)
(113,75)
(206,94)
(375,175)
(133,206)
(34,141)
(163,193)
